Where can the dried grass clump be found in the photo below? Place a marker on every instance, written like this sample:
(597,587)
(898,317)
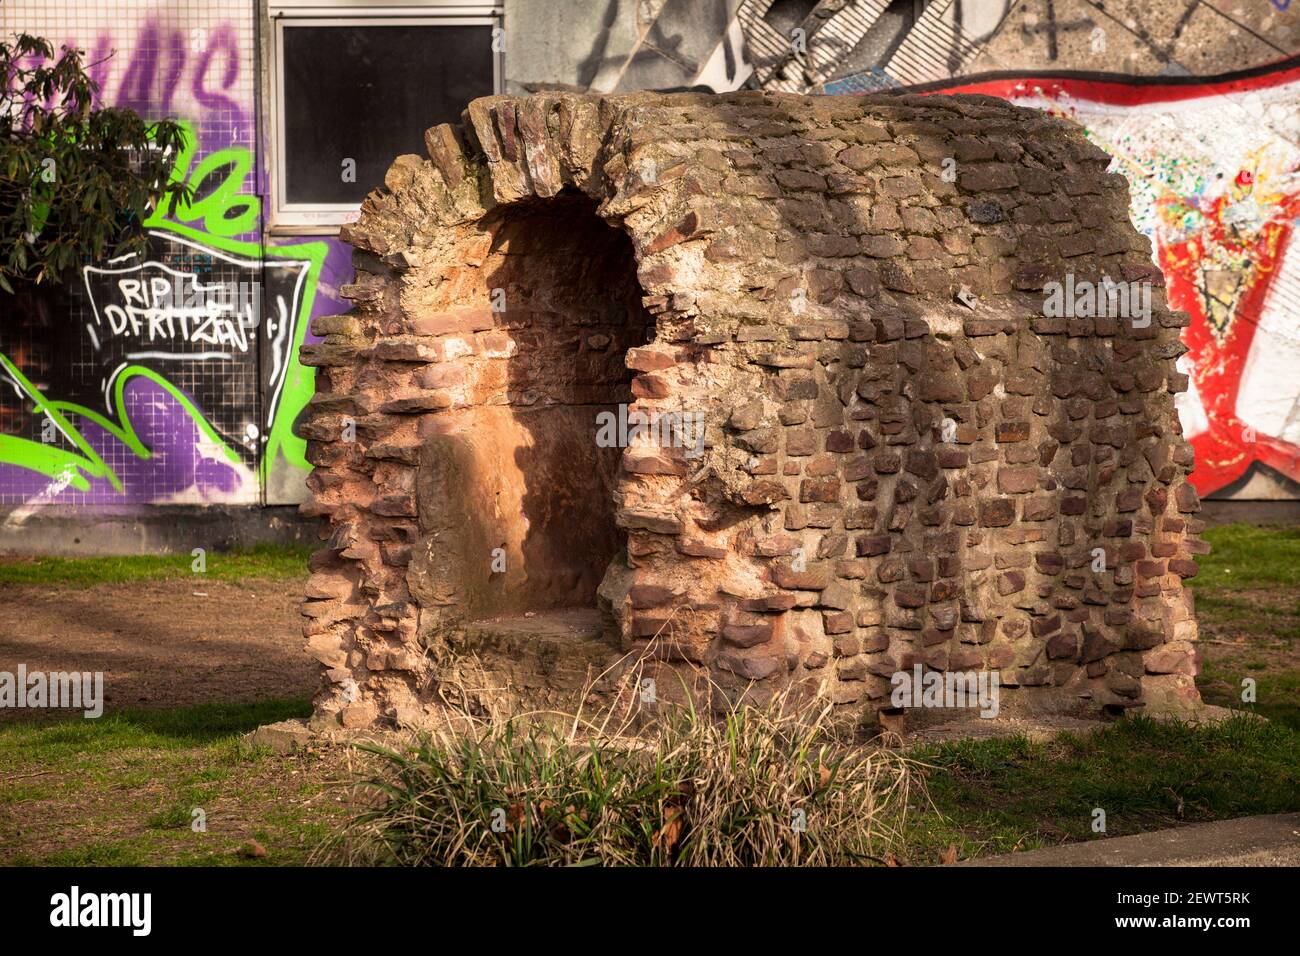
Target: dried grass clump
(771,785)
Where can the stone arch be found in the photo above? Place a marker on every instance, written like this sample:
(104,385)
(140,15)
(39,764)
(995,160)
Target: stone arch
(878,454)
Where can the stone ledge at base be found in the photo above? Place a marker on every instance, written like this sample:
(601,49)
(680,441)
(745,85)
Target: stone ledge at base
(300,733)
(67,531)
(283,736)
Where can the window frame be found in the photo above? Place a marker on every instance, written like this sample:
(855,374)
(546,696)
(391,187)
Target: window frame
(326,218)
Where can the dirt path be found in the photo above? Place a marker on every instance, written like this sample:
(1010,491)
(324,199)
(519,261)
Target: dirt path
(164,643)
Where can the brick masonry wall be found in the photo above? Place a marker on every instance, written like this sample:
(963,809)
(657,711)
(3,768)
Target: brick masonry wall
(906,461)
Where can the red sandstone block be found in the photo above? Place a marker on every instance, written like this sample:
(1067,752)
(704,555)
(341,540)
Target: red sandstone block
(651,385)
(1062,646)
(997,512)
(1048,562)
(639,462)
(837,622)
(765,492)
(873,544)
(394,506)
(814,578)
(821,466)
(1042,626)
(695,548)
(650,360)
(887,463)
(412,401)
(1150,569)
(825,490)
(454,322)
(840,441)
(657,522)
(1187,499)
(752,667)
(747,635)
(1010,582)
(1011,431)
(1017,480)
(911,595)
(768,604)
(642,626)
(650,595)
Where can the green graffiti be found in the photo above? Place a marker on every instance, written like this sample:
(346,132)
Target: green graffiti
(224,212)
(77,467)
(49,461)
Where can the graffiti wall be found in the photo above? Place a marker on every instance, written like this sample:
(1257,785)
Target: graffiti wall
(120,390)
(171,377)
(1214,171)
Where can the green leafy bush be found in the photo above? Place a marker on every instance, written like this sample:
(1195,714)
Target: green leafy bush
(78,182)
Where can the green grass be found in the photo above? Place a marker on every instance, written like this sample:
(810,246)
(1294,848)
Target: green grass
(264,561)
(126,784)
(130,783)
(1277,690)
(995,796)
(1248,556)
(121,790)
(1248,600)
(181,728)
(1249,614)
(1250,581)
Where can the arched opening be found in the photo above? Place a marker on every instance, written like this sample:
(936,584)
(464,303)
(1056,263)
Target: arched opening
(530,527)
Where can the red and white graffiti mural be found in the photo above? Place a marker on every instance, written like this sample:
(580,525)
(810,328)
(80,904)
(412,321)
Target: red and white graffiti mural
(1214,170)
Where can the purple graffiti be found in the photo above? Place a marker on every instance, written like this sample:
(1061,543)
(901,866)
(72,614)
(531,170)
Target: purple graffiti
(175,466)
(223,38)
(154,69)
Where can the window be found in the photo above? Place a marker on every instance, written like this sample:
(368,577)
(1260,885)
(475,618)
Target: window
(354,85)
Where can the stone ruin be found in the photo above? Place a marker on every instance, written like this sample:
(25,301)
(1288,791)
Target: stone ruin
(752,390)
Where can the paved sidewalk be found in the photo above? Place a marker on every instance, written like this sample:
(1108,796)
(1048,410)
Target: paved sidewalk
(1271,840)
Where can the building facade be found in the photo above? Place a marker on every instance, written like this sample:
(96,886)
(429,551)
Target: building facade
(120,402)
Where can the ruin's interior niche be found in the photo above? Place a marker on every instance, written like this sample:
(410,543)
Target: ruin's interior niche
(530,513)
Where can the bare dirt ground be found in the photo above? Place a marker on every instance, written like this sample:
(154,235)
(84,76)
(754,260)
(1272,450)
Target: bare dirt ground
(172,643)
(165,643)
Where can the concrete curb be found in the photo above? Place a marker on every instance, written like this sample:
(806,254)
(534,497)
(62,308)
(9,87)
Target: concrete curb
(1269,840)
